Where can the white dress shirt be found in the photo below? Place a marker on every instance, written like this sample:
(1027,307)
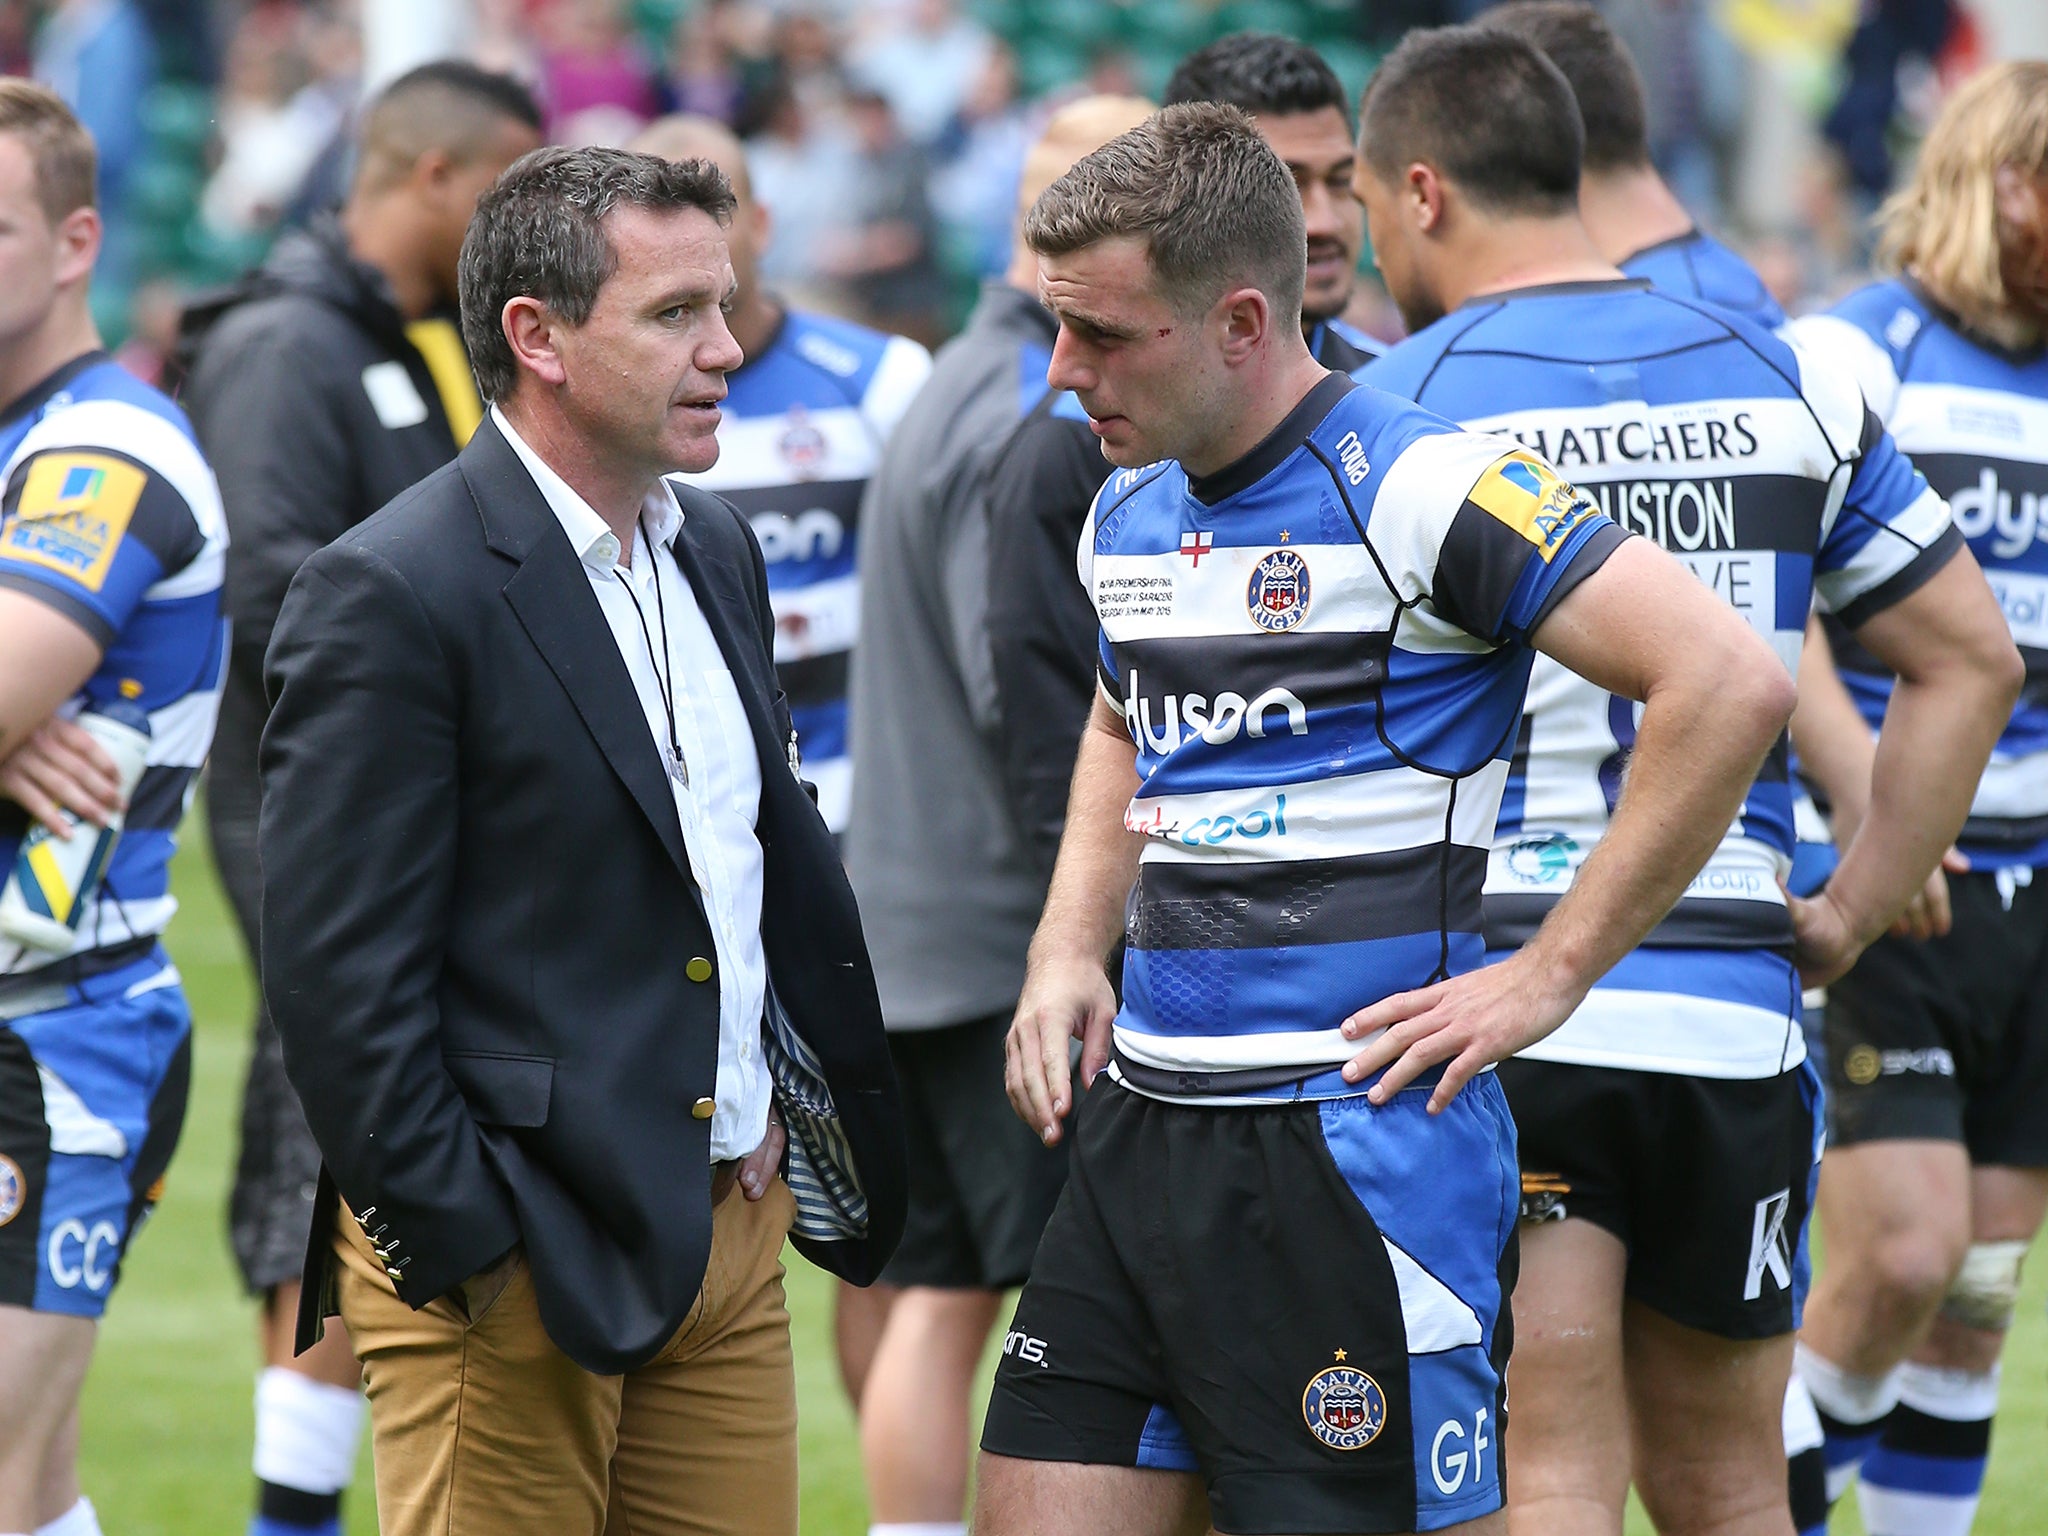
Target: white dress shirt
(720,802)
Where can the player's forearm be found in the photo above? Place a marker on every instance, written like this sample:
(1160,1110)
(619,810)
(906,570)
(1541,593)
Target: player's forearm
(1098,858)
(1835,746)
(1697,751)
(1938,735)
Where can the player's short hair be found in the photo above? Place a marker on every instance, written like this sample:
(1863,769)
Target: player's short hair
(539,233)
(450,105)
(66,164)
(1599,68)
(1261,73)
(1943,225)
(1202,189)
(1486,109)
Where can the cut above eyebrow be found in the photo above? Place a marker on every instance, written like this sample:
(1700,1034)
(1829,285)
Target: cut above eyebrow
(1111,328)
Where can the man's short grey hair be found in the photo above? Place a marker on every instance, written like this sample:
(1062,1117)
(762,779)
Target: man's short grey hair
(539,233)
(1205,192)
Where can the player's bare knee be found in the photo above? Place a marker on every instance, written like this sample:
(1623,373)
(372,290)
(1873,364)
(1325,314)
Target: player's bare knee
(1911,1271)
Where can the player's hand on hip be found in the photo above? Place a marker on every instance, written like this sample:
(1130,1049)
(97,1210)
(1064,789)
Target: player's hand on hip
(1928,915)
(61,768)
(1466,1023)
(1062,1001)
(1824,939)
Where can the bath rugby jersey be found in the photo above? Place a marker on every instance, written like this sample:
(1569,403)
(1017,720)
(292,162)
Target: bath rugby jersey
(1698,266)
(1695,265)
(1320,653)
(1975,420)
(804,424)
(111,517)
(1763,471)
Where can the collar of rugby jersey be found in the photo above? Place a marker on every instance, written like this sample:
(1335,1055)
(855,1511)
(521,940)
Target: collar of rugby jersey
(589,535)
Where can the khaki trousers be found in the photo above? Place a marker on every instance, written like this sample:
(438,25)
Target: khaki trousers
(481,1427)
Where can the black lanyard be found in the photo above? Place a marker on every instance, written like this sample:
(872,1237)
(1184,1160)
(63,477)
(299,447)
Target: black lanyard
(664,678)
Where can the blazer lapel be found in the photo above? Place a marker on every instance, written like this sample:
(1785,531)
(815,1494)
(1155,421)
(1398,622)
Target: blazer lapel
(550,593)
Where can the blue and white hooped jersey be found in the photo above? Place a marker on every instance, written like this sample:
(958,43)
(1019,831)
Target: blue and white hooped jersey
(1763,471)
(1975,420)
(1697,266)
(112,517)
(1320,653)
(805,424)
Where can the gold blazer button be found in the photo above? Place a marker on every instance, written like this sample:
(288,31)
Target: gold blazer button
(702,1109)
(699,969)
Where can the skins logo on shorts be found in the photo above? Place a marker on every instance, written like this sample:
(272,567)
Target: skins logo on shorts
(13,1189)
(1343,1408)
(1277,595)
(1862,1066)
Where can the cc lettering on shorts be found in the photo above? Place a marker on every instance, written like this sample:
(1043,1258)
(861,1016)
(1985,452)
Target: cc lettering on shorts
(77,1255)
(1454,1457)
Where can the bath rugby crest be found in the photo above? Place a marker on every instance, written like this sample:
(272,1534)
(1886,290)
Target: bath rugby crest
(1345,1409)
(1277,597)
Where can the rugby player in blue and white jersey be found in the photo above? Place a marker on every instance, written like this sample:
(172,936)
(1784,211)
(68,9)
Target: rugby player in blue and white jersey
(112,544)
(1632,216)
(805,420)
(1273,1295)
(1937,1172)
(1669,1129)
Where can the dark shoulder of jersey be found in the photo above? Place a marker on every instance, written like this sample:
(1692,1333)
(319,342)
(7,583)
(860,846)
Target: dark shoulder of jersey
(1342,347)
(1698,266)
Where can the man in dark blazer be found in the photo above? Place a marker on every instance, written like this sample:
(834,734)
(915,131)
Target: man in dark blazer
(556,942)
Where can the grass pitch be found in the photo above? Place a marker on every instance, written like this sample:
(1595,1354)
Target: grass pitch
(168,1404)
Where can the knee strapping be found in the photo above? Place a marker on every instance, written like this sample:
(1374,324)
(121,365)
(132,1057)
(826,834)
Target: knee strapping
(1987,1288)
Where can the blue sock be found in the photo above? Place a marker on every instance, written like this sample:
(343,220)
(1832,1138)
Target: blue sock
(1927,1470)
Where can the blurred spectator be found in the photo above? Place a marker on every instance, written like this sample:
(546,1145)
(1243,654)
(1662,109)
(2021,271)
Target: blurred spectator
(1891,32)
(887,255)
(720,56)
(99,56)
(275,119)
(924,60)
(802,173)
(594,80)
(17,22)
(979,157)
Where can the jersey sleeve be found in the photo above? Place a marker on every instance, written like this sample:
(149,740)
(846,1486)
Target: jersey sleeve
(90,531)
(898,377)
(1848,346)
(1497,560)
(1890,536)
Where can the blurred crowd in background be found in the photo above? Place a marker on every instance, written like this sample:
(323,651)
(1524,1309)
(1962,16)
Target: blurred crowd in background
(885,135)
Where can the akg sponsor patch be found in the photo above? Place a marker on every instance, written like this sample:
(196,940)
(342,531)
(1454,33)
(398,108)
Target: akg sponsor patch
(73,511)
(1526,494)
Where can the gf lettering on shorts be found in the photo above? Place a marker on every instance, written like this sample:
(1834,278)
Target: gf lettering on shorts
(53,880)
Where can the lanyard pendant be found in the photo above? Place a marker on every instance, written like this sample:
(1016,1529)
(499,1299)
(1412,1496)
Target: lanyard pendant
(677,768)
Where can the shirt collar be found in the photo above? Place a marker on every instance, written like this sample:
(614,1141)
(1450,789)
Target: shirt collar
(594,542)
